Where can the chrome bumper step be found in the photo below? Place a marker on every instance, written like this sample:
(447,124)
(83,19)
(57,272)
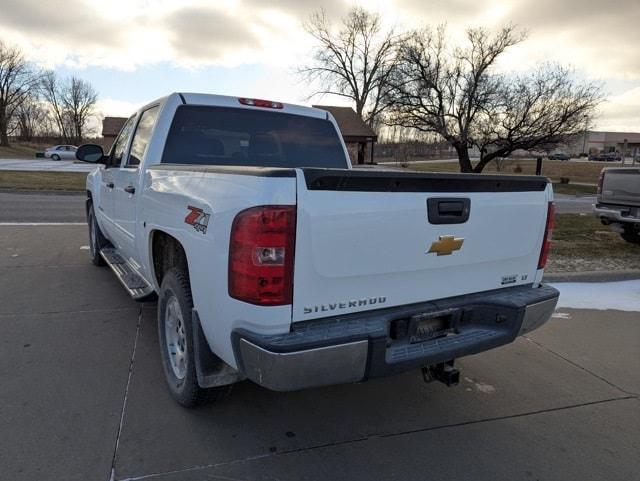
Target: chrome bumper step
(134,283)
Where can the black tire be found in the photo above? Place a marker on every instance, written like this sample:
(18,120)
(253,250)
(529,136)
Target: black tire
(96,239)
(55,157)
(631,235)
(184,388)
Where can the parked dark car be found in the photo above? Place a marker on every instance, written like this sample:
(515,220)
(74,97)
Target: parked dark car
(559,156)
(606,156)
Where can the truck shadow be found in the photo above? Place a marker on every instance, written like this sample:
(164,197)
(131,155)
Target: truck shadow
(254,421)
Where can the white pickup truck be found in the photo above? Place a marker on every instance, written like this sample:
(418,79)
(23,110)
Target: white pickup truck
(273,260)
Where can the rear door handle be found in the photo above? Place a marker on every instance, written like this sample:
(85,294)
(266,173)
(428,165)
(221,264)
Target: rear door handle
(109,185)
(448,210)
(130,189)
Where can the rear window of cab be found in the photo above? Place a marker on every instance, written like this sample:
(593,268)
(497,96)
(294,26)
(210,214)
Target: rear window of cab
(205,135)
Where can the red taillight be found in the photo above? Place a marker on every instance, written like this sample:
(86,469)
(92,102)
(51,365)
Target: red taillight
(261,254)
(546,242)
(600,181)
(260,103)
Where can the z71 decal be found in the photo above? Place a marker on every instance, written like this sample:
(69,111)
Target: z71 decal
(197,218)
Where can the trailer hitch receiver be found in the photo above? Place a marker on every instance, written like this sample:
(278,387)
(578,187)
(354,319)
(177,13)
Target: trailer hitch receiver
(443,372)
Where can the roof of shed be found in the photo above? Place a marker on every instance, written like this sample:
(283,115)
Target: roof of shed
(111,125)
(350,124)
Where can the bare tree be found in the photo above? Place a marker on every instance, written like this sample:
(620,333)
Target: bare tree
(79,100)
(17,80)
(456,93)
(540,110)
(72,103)
(354,62)
(52,93)
(30,118)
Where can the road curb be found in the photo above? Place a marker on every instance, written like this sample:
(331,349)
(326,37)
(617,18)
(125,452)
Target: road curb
(593,276)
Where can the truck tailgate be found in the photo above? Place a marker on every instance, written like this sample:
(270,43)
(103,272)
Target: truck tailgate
(621,186)
(363,237)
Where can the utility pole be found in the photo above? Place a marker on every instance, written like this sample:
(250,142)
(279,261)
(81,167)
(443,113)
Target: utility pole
(584,140)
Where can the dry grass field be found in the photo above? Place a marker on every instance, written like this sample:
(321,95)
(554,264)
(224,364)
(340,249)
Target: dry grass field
(20,151)
(39,181)
(582,243)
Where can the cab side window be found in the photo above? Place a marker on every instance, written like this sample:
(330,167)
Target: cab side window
(142,136)
(120,145)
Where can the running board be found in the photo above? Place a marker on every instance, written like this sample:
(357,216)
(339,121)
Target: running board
(136,285)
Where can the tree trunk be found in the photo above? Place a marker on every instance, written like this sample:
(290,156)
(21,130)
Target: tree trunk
(463,157)
(360,109)
(482,164)
(4,138)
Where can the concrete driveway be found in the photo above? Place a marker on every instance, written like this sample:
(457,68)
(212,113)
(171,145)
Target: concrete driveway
(83,396)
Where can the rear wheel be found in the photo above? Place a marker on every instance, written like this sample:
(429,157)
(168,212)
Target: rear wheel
(176,342)
(96,239)
(631,234)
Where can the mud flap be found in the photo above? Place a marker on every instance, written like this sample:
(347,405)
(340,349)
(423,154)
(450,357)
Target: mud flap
(210,369)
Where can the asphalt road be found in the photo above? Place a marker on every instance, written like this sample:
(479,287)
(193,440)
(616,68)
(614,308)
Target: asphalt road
(83,397)
(33,207)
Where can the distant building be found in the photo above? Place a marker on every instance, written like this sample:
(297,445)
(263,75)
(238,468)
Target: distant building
(357,135)
(614,142)
(595,142)
(111,127)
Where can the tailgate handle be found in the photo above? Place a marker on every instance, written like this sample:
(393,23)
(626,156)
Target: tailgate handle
(448,210)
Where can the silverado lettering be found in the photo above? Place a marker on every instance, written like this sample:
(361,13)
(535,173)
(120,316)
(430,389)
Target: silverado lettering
(343,305)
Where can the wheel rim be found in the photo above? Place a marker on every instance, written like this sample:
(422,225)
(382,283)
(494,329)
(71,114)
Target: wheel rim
(176,340)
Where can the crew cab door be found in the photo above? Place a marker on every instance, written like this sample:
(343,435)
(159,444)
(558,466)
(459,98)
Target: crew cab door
(105,212)
(127,183)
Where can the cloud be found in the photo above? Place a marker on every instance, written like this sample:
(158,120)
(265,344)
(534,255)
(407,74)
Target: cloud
(301,8)
(621,112)
(599,38)
(596,36)
(207,34)
(69,21)
(126,34)
(110,107)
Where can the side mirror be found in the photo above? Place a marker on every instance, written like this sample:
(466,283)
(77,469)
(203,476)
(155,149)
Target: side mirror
(91,153)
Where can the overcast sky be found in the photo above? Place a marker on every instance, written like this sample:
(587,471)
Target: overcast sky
(136,50)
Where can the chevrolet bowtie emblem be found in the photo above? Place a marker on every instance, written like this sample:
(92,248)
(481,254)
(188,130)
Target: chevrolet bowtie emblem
(446,245)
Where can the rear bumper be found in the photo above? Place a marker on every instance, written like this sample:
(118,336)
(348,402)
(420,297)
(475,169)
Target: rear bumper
(614,213)
(360,346)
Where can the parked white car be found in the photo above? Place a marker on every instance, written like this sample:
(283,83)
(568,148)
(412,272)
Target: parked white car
(273,260)
(61,152)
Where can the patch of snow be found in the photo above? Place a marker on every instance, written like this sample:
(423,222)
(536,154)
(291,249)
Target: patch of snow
(622,296)
(561,315)
(480,386)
